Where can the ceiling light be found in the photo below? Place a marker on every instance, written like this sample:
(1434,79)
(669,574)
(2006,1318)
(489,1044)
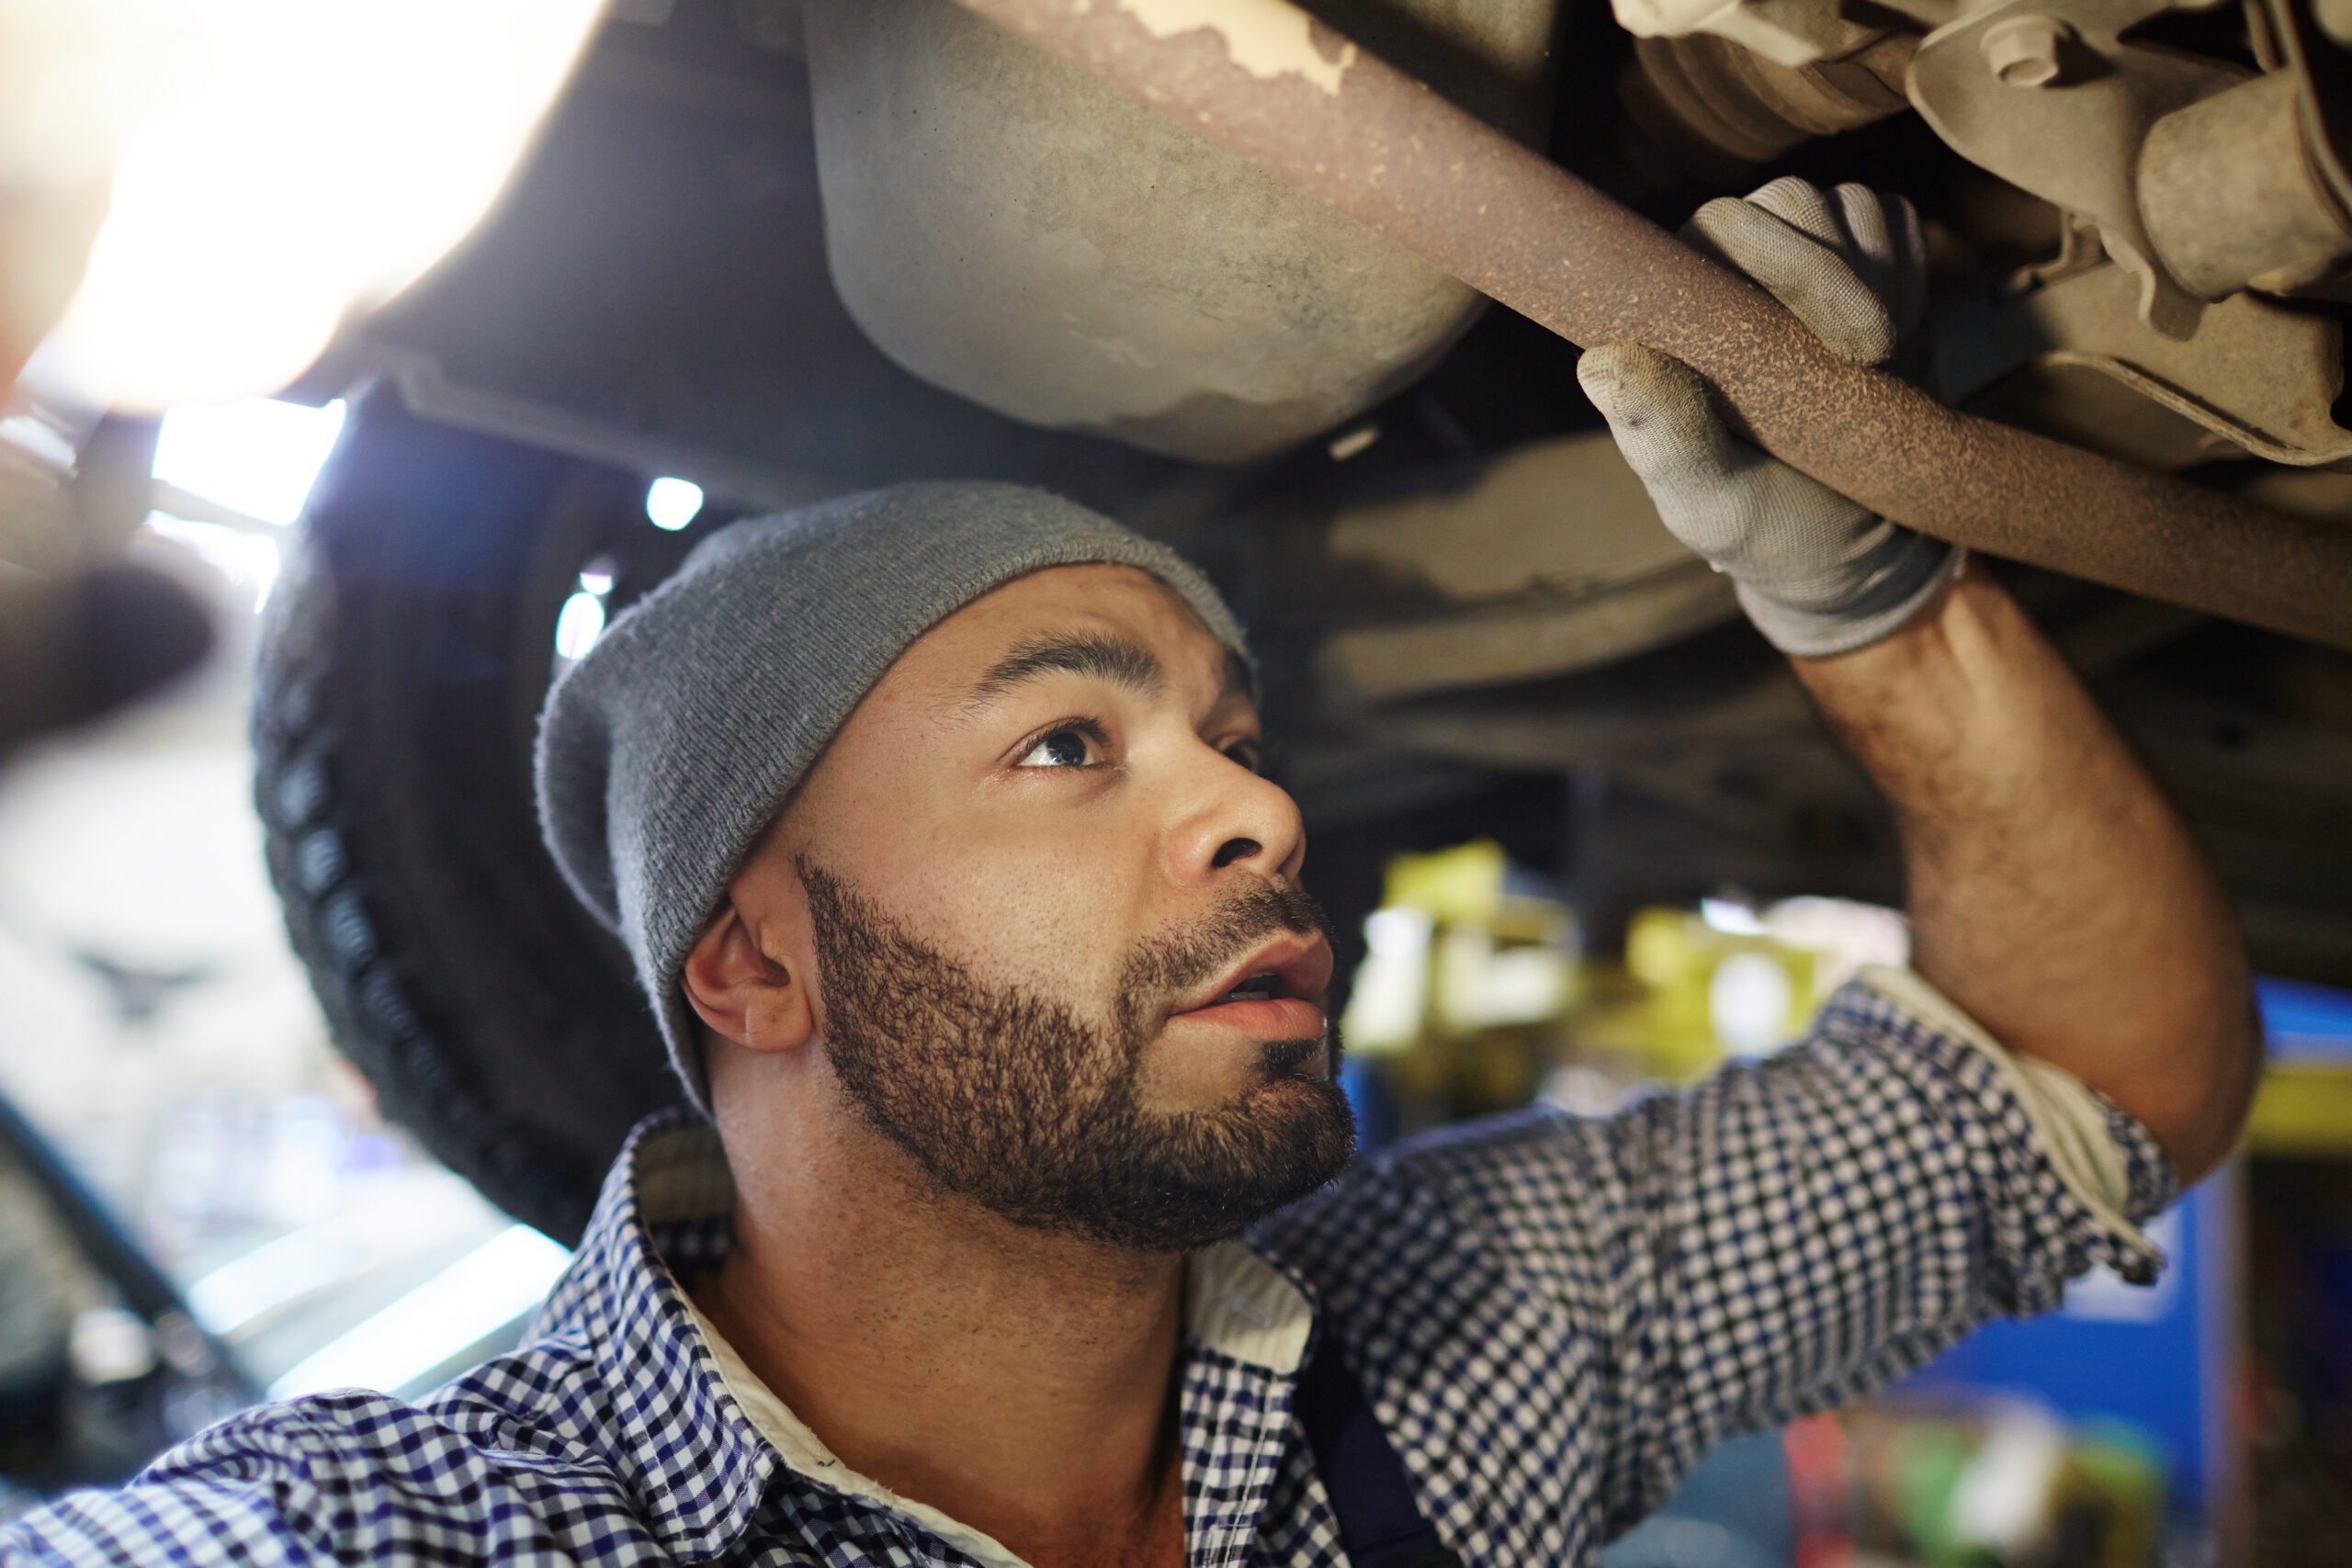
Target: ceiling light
(333,154)
(672,504)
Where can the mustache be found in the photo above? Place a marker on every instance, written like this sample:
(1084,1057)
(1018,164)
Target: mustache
(1178,959)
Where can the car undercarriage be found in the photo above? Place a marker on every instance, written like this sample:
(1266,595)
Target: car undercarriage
(787,250)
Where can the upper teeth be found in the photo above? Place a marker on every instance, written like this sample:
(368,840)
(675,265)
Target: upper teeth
(1256,987)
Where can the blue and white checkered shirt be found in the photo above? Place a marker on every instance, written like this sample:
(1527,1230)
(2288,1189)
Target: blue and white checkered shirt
(1553,1317)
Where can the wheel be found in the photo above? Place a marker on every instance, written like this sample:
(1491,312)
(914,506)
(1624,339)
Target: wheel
(401,667)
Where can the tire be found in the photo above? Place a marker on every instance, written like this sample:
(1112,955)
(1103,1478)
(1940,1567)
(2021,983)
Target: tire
(401,667)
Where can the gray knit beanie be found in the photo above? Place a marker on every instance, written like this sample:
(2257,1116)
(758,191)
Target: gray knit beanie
(666,752)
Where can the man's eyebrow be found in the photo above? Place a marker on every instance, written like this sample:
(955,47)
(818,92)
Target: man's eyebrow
(1102,657)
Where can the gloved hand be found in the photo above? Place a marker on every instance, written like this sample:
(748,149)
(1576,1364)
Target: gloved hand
(1817,573)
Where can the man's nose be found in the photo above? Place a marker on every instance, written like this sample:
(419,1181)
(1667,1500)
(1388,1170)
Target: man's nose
(1234,817)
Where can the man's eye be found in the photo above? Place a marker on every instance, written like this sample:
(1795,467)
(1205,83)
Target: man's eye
(1069,746)
(1249,753)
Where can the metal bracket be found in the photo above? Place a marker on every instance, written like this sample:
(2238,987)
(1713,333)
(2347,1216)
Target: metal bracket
(2258,375)
(2010,82)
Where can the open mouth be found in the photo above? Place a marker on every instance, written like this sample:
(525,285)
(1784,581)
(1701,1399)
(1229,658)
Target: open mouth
(1276,993)
(1256,988)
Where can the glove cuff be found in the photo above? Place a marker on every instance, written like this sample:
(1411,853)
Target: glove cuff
(1918,570)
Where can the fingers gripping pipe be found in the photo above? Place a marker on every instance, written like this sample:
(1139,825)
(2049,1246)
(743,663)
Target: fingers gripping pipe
(1265,80)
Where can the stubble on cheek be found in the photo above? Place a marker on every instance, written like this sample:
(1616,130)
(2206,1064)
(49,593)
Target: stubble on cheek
(1013,1099)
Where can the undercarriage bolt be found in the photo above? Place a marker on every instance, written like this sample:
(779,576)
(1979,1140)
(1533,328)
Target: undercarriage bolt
(2023,50)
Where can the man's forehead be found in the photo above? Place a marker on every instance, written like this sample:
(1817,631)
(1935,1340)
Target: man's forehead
(1110,623)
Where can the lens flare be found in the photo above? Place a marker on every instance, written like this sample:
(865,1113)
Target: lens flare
(338,148)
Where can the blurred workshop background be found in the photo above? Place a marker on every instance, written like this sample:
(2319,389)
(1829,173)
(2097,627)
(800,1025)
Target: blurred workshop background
(172,1092)
(202,1205)
(174,1104)
(199,1206)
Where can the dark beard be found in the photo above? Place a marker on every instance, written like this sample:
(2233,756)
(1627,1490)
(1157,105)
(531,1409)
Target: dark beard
(1009,1098)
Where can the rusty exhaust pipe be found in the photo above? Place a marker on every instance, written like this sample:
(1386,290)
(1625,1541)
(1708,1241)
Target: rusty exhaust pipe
(1265,80)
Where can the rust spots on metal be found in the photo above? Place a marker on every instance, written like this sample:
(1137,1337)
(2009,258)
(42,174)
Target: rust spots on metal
(1393,154)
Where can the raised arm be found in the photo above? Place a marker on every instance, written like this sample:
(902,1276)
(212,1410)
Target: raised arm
(2054,894)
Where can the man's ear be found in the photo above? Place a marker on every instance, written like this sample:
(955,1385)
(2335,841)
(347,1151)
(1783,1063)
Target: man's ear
(742,994)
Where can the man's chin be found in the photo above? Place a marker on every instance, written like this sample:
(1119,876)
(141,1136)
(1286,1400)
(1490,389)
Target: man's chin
(1306,1094)
(1290,1061)
(1281,1139)
(1187,1180)
(1183,1077)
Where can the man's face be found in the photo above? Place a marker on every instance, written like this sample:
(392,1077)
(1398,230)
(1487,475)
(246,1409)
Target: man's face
(1061,956)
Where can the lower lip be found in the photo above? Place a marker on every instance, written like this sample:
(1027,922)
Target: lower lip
(1276,1017)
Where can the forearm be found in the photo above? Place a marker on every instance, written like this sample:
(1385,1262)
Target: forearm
(2054,894)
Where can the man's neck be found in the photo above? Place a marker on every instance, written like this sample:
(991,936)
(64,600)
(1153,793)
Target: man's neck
(1020,1381)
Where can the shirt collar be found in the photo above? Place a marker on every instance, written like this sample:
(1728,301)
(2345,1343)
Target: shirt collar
(700,1440)
(683,1446)
(1238,1303)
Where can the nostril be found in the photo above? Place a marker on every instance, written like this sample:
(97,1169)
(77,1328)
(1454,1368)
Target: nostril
(1233,850)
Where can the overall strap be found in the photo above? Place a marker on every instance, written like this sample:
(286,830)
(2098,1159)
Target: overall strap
(1379,1521)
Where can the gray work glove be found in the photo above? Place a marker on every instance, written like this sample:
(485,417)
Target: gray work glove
(1817,573)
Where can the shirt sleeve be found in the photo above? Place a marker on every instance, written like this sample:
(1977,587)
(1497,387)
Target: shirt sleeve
(1617,1294)
(348,1477)
(192,1524)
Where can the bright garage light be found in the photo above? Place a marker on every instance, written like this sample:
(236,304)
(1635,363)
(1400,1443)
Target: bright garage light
(579,625)
(672,504)
(255,456)
(1750,1000)
(336,148)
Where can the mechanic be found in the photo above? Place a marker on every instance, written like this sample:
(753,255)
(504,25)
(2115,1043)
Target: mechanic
(1024,1227)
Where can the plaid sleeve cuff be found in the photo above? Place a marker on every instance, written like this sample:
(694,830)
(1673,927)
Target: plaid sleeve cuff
(2090,1150)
